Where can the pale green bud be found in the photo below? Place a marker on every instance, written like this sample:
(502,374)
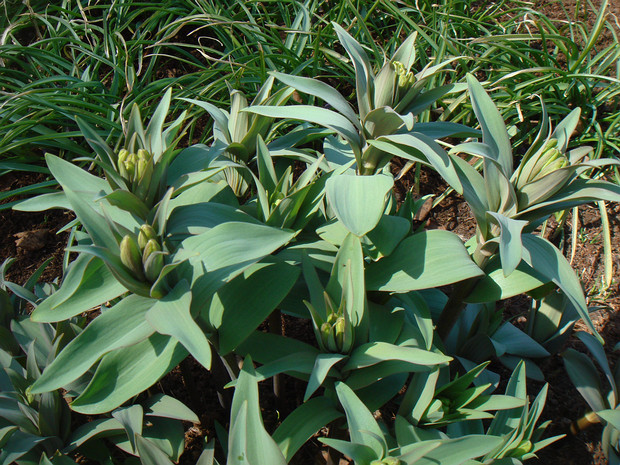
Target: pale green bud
(130,167)
(151,246)
(339,328)
(553,165)
(331,343)
(122,156)
(143,154)
(131,256)
(153,265)
(546,161)
(551,144)
(143,161)
(146,232)
(523,448)
(325,329)
(405,78)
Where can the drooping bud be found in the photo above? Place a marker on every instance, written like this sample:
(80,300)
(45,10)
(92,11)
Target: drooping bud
(146,232)
(131,256)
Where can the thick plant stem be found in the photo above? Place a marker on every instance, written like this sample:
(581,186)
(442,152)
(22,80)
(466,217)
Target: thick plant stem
(456,301)
(454,306)
(584,422)
(275,326)
(224,369)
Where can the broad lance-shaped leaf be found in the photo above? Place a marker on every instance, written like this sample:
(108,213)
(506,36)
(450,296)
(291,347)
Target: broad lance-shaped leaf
(96,225)
(376,352)
(227,250)
(598,352)
(364,77)
(87,284)
(303,423)
(496,286)
(419,262)
(460,450)
(322,365)
(321,90)
(347,279)
(578,192)
(321,116)
(149,453)
(494,132)
(358,201)
(74,178)
(18,445)
(541,255)
(171,316)
(247,301)
(582,372)
(219,116)
(611,416)
(474,189)
(421,148)
(235,243)
(248,435)
(132,420)
(121,326)
(127,372)
(363,427)
(510,246)
(161,405)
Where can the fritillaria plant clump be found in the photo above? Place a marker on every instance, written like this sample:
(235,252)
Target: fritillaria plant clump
(187,251)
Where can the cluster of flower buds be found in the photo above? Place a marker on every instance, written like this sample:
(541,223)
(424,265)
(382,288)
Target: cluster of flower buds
(136,169)
(336,333)
(144,256)
(550,159)
(405,78)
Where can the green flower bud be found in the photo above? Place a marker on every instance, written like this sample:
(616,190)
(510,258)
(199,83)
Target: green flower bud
(143,161)
(552,166)
(325,331)
(405,78)
(143,154)
(122,156)
(146,232)
(153,265)
(151,246)
(131,256)
(130,167)
(523,448)
(548,155)
(339,328)
(331,343)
